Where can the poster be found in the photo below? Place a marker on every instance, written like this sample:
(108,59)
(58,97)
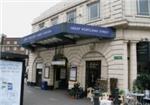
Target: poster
(46,72)
(73,73)
(10,82)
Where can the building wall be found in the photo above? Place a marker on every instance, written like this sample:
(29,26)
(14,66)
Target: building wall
(12,45)
(77,55)
(112,13)
(130,29)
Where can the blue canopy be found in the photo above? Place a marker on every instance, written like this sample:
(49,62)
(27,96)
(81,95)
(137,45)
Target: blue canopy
(65,33)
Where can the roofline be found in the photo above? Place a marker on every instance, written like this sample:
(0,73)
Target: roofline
(58,12)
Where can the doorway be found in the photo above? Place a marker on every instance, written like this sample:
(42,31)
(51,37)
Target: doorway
(93,72)
(38,77)
(60,77)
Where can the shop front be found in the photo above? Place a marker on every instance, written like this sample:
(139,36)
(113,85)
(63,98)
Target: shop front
(70,53)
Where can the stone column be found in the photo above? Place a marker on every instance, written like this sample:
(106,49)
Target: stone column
(133,63)
(125,65)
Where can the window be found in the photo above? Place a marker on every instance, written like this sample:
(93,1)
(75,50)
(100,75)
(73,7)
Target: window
(41,25)
(15,42)
(15,48)
(93,11)
(8,42)
(22,49)
(54,21)
(71,17)
(143,7)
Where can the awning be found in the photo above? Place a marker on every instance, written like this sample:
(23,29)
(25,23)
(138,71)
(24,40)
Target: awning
(12,56)
(65,33)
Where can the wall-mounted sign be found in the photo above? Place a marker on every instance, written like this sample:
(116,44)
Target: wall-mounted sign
(11,82)
(73,73)
(118,57)
(39,65)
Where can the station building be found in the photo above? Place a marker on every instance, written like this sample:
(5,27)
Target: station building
(86,40)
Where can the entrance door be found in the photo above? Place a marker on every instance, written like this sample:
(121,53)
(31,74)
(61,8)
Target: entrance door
(38,77)
(93,72)
(60,80)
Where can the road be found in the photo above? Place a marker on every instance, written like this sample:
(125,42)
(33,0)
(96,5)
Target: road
(36,96)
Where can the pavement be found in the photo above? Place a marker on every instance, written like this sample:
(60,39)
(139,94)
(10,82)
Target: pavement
(36,96)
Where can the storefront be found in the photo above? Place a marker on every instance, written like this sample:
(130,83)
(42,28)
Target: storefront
(67,53)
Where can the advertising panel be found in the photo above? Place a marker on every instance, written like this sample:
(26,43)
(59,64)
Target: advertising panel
(10,82)
(73,74)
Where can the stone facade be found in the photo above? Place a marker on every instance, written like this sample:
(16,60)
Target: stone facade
(131,29)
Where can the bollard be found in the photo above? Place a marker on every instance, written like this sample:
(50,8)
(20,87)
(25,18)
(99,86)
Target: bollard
(116,96)
(96,97)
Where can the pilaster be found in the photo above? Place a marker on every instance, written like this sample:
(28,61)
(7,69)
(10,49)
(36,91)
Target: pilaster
(133,63)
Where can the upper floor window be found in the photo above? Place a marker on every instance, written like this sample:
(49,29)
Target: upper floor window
(41,25)
(71,17)
(54,21)
(8,42)
(143,7)
(15,42)
(93,11)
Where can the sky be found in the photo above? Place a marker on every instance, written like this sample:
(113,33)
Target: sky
(16,16)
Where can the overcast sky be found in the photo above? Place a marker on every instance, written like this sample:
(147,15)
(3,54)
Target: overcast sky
(16,16)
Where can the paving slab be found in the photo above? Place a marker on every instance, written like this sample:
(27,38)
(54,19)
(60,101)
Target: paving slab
(36,96)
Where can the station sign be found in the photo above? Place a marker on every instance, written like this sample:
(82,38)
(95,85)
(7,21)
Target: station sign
(56,33)
(118,57)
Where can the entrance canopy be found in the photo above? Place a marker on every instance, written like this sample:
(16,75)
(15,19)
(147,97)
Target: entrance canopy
(65,33)
(13,56)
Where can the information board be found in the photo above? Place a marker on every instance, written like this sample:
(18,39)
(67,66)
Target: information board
(10,82)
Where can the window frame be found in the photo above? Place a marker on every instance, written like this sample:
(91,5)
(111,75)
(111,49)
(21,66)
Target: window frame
(97,3)
(138,9)
(74,18)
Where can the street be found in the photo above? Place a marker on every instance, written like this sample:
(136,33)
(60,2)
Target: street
(36,96)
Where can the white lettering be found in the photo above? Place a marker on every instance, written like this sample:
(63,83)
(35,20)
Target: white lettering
(75,28)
